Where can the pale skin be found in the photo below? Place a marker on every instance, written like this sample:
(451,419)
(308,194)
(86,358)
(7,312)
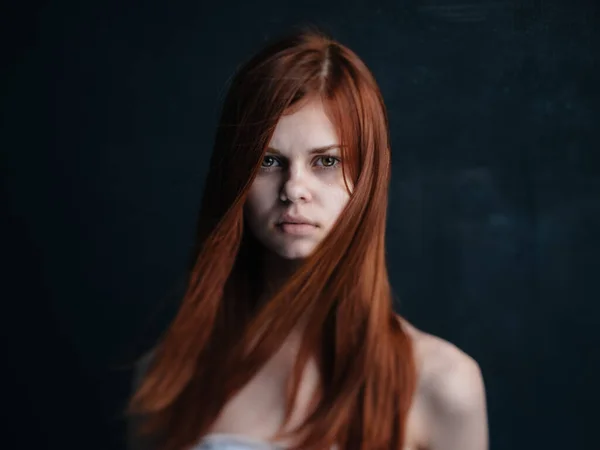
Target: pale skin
(448,410)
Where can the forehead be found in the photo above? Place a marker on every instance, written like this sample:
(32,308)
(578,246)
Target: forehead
(306,128)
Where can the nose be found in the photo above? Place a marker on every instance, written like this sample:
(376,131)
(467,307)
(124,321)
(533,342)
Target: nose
(295,187)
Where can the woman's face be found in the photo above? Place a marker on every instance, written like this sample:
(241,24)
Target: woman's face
(300,180)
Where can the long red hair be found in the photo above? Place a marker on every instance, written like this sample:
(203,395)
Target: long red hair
(224,331)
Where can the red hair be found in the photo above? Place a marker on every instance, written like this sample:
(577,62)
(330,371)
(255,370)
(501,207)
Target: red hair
(224,332)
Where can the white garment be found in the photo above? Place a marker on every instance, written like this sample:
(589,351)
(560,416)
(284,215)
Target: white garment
(233,442)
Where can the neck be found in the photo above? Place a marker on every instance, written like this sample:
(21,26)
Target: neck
(276,272)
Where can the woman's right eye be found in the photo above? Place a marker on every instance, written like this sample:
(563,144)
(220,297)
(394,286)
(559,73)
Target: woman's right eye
(268,161)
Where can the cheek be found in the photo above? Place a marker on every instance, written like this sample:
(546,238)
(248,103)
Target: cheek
(341,199)
(259,201)
(341,193)
(337,199)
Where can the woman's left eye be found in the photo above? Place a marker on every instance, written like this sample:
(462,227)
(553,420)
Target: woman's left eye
(329,161)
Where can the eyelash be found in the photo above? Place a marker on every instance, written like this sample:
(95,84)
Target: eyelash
(337,162)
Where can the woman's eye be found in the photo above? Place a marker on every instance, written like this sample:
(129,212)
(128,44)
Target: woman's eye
(329,161)
(268,161)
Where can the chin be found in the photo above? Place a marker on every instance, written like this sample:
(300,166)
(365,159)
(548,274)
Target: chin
(296,251)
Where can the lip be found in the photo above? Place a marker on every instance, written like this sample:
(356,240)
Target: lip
(291,219)
(296,225)
(297,229)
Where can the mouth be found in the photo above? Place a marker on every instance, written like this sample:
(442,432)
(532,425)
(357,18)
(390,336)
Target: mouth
(296,228)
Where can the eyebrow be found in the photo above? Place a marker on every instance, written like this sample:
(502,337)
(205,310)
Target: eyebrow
(311,151)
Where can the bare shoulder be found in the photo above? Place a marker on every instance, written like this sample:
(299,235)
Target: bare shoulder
(448,376)
(451,387)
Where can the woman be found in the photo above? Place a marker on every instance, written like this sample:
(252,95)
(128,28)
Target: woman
(286,336)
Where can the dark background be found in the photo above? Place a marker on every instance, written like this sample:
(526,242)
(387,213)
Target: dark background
(108,115)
